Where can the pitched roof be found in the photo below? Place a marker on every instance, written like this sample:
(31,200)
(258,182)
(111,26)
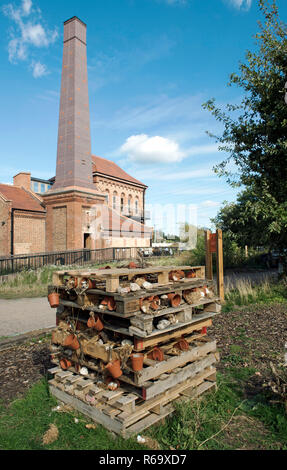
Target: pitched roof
(21,199)
(113,221)
(109,168)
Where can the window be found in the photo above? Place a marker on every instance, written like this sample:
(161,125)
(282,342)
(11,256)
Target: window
(43,188)
(122,204)
(35,186)
(114,201)
(137,206)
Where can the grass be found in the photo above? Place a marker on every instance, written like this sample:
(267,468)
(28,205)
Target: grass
(24,423)
(243,292)
(220,420)
(34,283)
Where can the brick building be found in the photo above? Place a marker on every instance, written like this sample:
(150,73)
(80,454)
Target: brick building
(91,202)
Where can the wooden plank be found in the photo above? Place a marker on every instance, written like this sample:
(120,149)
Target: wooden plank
(143,343)
(219,265)
(90,411)
(208,256)
(150,420)
(186,372)
(174,362)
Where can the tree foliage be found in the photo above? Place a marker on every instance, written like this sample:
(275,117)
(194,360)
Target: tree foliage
(255,137)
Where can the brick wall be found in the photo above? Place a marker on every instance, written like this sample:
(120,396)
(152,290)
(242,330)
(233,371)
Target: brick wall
(59,228)
(5,228)
(29,233)
(125,190)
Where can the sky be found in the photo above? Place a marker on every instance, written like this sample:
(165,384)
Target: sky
(151,66)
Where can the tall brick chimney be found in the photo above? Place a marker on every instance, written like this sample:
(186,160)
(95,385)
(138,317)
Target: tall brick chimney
(74,159)
(73,192)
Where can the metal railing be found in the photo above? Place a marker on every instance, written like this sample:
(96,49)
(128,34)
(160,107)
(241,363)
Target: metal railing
(17,263)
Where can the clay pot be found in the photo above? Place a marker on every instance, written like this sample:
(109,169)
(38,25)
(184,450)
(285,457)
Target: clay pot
(86,283)
(114,368)
(65,364)
(132,265)
(190,274)
(137,361)
(156,354)
(203,330)
(182,344)
(95,322)
(174,299)
(54,299)
(112,383)
(176,275)
(72,342)
(91,322)
(111,304)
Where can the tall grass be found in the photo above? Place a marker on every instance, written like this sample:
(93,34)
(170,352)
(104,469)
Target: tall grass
(34,283)
(243,292)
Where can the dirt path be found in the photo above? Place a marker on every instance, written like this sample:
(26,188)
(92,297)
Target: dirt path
(22,315)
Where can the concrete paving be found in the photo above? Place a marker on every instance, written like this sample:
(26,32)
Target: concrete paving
(19,316)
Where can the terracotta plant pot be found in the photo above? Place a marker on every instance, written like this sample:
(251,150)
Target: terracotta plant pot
(174,299)
(137,361)
(98,323)
(132,265)
(54,299)
(65,364)
(111,304)
(114,368)
(156,354)
(72,342)
(91,322)
(176,275)
(86,283)
(203,330)
(182,344)
(190,274)
(111,380)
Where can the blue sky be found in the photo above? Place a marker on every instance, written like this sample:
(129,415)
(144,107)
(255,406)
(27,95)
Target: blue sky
(151,65)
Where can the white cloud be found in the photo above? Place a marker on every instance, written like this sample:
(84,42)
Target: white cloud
(39,70)
(144,149)
(26,6)
(244,5)
(28,33)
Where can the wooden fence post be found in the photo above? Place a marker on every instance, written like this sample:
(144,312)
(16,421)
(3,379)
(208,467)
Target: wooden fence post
(219,265)
(208,256)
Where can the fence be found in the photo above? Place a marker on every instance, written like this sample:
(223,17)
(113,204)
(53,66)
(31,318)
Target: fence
(14,264)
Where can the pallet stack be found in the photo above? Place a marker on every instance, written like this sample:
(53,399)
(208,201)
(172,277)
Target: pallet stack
(129,342)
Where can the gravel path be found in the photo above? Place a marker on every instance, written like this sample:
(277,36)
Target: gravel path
(19,316)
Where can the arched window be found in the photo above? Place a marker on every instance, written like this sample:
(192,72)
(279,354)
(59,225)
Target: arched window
(108,195)
(122,202)
(115,200)
(130,204)
(136,206)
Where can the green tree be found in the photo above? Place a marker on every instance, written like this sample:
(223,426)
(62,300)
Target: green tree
(254,134)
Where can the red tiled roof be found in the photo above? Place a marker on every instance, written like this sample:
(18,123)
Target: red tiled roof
(109,168)
(20,198)
(113,221)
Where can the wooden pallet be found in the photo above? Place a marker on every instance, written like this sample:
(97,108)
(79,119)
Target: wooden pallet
(127,305)
(120,411)
(111,278)
(199,348)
